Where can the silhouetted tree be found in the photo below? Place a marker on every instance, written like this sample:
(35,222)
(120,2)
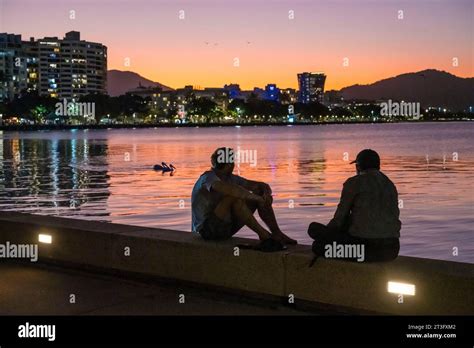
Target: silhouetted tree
(30,105)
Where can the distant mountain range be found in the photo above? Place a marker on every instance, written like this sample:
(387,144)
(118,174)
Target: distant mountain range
(428,87)
(120,82)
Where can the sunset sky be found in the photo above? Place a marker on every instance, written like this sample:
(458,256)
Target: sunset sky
(270,47)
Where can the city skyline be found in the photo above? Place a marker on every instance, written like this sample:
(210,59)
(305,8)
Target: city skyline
(201,48)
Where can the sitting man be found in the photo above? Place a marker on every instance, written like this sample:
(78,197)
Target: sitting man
(222,203)
(367,216)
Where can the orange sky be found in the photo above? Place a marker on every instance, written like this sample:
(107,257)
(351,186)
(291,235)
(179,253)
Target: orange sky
(200,47)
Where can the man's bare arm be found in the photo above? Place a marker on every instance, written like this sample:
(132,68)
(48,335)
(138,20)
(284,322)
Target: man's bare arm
(260,188)
(257,186)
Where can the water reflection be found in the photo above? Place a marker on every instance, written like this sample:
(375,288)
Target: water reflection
(107,175)
(45,176)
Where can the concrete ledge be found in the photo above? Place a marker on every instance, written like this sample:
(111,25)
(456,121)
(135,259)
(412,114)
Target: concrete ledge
(157,252)
(184,256)
(441,287)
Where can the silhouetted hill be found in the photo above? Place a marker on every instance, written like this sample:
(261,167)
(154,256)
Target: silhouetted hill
(429,87)
(120,82)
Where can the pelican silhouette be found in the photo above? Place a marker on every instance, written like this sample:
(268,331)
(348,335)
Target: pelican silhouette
(164,167)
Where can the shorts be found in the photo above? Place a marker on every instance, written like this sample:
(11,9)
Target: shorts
(214,228)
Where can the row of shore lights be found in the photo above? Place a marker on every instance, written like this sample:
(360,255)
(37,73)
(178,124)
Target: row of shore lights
(392,287)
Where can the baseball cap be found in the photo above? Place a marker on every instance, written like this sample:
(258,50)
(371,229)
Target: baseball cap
(367,159)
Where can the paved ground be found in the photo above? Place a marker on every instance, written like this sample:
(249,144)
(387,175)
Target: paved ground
(47,290)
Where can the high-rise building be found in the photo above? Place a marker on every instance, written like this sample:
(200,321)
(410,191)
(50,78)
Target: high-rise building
(12,66)
(30,49)
(61,68)
(311,87)
(71,67)
(49,63)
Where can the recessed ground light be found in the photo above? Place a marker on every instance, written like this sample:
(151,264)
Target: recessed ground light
(45,238)
(401,288)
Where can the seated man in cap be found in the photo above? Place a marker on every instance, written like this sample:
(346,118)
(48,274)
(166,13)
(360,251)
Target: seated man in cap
(366,219)
(222,203)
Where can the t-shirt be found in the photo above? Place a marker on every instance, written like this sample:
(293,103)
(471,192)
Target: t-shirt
(204,200)
(368,207)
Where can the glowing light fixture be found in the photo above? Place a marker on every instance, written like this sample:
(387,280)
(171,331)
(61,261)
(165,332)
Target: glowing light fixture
(401,288)
(45,238)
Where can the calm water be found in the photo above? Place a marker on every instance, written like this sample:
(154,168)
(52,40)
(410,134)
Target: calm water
(107,175)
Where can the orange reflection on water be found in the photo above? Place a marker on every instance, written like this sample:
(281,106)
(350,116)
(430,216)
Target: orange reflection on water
(108,175)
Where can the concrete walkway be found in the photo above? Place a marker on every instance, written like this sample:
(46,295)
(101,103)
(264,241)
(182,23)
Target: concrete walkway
(46,290)
(428,287)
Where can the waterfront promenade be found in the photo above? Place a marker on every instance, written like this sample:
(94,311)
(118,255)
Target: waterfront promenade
(47,290)
(182,260)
